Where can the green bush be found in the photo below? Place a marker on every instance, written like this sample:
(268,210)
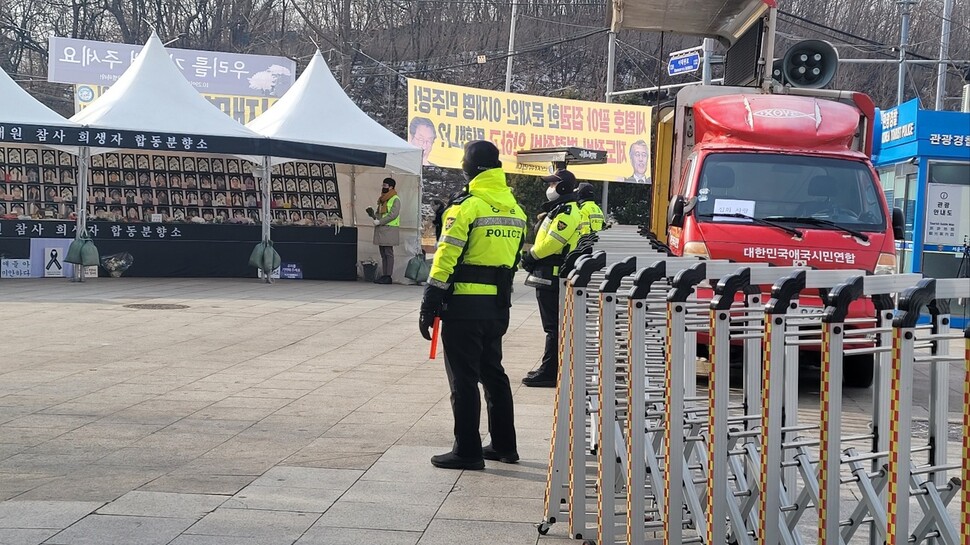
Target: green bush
(630,203)
(531,195)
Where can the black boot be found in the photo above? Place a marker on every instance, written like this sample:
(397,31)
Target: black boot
(450,460)
(489,453)
(540,380)
(384,280)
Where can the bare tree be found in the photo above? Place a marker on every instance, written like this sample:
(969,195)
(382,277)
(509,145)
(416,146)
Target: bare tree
(374,45)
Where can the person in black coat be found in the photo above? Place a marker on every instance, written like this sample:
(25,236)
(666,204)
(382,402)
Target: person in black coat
(438,208)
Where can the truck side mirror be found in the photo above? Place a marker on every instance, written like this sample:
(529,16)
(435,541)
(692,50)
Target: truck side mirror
(899,224)
(675,211)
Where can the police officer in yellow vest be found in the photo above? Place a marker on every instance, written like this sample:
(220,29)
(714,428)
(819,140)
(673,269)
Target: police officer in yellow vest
(470,288)
(593,218)
(556,237)
(387,223)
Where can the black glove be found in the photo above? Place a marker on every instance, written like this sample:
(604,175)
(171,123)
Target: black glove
(528,261)
(431,305)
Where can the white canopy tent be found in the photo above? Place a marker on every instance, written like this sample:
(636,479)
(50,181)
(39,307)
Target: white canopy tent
(316,110)
(21,108)
(153,94)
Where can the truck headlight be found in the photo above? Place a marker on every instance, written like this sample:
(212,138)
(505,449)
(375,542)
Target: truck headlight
(696,249)
(886,264)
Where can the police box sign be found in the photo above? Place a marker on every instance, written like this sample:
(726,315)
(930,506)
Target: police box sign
(102,63)
(892,130)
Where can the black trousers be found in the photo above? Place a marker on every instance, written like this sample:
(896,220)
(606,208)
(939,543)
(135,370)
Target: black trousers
(549,315)
(473,354)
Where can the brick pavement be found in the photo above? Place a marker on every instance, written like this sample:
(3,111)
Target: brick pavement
(302,412)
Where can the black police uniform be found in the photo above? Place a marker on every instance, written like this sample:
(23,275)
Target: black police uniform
(469,287)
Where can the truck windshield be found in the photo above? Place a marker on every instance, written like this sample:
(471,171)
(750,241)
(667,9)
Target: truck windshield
(770,186)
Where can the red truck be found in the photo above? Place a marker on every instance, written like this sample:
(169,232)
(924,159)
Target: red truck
(778,178)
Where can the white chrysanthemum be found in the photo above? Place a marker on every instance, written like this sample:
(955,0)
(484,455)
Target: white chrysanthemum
(263,81)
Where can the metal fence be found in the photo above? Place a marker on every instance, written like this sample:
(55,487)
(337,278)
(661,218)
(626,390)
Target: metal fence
(637,455)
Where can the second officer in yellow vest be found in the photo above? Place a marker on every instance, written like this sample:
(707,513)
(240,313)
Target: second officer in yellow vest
(556,237)
(593,218)
(470,288)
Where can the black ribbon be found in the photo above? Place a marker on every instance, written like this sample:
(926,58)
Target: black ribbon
(53,261)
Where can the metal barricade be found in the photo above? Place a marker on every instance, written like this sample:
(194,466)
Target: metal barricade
(965,451)
(579,426)
(646,455)
(566,480)
(821,480)
(610,438)
(927,483)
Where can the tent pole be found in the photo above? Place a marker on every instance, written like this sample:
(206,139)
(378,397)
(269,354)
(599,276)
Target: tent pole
(83,171)
(353,196)
(267,172)
(420,215)
(267,179)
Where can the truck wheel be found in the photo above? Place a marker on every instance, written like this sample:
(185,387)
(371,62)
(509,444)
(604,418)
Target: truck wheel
(858,371)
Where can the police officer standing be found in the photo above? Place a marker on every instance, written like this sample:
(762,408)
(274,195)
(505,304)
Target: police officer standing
(470,288)
(556,237)
(592,215)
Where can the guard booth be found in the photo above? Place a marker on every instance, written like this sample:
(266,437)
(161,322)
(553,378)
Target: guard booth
(923,160)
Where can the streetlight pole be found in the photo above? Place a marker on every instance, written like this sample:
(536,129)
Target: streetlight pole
(508,60)
(708,52)
(610,69)
(906,6)
(944,53)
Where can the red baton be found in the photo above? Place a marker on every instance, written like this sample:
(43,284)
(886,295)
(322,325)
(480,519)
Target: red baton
(435,330)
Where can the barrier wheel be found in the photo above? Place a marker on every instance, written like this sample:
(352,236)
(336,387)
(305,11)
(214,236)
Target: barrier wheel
(543,528)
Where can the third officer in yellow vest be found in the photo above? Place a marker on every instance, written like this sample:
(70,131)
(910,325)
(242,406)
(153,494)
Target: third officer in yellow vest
(593,218)
(556,237)
(470,288)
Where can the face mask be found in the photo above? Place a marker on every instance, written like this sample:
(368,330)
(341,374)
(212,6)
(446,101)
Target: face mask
(552,194)
(385,189)
(469,171)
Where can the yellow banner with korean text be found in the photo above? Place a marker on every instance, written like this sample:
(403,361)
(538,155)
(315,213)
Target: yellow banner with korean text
(241,108)
(442,118)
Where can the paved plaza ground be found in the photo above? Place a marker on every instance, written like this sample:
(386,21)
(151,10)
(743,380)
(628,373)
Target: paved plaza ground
(299,412)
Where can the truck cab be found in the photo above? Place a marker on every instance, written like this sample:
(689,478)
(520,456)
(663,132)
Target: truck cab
(783,179)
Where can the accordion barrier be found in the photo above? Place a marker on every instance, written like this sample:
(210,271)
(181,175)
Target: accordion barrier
(636,455)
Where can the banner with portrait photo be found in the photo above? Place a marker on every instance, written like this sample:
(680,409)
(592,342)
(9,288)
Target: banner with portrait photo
(442,118)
